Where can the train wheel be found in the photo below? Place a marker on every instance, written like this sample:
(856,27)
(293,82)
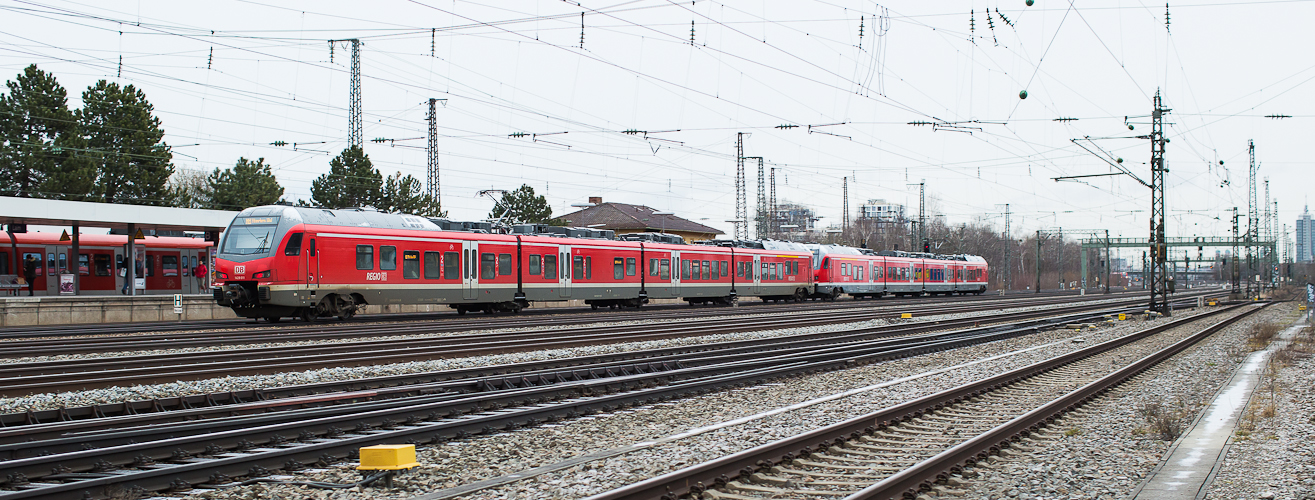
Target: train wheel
(308,315)
(273,319)
(461,311)
(593,306)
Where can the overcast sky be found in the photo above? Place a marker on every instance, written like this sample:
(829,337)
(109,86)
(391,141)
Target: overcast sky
(228,78)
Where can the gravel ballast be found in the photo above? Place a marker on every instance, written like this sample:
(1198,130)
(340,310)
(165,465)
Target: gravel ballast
(458,463)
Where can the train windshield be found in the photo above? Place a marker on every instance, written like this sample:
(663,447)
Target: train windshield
(250,235)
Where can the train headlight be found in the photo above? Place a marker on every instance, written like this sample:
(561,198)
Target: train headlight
(222,275)
(261,275)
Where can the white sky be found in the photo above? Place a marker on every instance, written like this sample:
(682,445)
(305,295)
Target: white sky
(517,66)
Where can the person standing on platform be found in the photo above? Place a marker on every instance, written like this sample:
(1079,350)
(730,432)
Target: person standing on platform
(30,274)
(201,274)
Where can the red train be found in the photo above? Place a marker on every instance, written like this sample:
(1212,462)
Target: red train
(168,263)
(280,261)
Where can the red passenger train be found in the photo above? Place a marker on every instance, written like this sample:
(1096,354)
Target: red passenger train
(281,261)
(168,263)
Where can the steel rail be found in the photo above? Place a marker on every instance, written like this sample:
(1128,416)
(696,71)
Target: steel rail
(176,340)
(743,464)
(25,378)
(322,440)
(248,325)
(318,390)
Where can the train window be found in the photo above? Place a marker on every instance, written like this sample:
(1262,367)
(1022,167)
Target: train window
(694,269)
(169,264)
(618,268)
(50,263)
(862,273)
(844,269)
(578,262)
(150,265)
(724,267)
(707,273)
(666,269)
(294,245)
(387,257)
(588,268)
(794,268)
(102,261)
(504,264)
(630,266)
(763,272)
(684,270)
(4,262)
(433,265)
(84,264)
(488,266)
(309,250)
(550,267)
(826,264)
(536,265)
(411,265)
(63,262)
(365,257)
(652,267)
(451,266)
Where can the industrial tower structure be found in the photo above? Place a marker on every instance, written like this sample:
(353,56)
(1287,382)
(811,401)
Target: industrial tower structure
(760,231)
(741,204)
(1253,224)
(354,131)
(1159,278)
(434,190)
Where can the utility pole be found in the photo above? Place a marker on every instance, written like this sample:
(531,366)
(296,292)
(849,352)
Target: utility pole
(1038,261)
(844,220)
(1009,246)
(1108,263)
(354,133)
(1253,220)
(760,226)
(434,186)
(1060,265)
(1234,255)
(771,202)
(1159,250)
(741,204)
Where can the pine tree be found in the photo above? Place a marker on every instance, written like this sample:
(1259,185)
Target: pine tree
(125,135)
(522,206)
(352,181)
(405,194)
(38,137)
(247,184)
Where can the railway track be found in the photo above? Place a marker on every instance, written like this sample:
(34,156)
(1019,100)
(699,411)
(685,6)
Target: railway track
(915,447)
(163,457)
(239,326)
(61,375)
(35,378)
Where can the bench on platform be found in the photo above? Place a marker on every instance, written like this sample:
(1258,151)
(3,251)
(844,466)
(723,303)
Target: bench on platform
(7,284)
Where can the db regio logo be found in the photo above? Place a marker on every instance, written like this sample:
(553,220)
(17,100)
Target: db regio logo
(239,269)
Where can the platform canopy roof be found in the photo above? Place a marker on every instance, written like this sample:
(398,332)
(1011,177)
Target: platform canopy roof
(87,214)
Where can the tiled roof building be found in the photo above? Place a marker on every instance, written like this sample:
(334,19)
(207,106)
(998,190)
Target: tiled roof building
(626,218)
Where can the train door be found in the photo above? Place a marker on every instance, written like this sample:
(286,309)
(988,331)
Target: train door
(564,266)
(311,263)
(675,273)
(52,271)
(757,288)
(470,273)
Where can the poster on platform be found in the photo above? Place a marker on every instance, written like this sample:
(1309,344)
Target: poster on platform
(66,284)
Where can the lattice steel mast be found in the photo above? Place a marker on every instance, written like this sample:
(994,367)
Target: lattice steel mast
(1253,220)
(760,231)
(741,204)
(1159,283)
(355,135)
(433,182)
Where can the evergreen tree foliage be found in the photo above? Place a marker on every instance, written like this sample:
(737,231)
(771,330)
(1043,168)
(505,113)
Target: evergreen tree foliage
(352,181)
(247,184)
(39,140)
(522,206)
(405,194)
(121,128)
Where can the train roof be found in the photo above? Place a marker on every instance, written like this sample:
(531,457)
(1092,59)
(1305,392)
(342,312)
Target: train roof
(350,217)
(104,240)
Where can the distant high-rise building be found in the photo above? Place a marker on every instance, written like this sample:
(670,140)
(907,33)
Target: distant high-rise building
(1304,247)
